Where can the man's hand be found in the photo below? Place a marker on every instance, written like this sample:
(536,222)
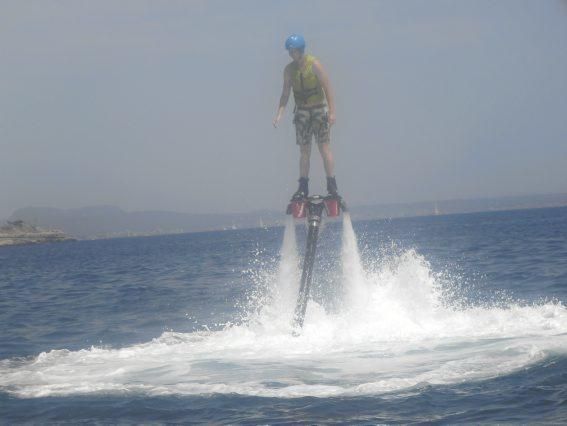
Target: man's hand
(278,117)
(332,118)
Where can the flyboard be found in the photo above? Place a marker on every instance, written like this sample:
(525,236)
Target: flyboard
(312,209)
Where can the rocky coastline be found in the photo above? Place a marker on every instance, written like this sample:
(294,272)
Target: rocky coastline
(19,232)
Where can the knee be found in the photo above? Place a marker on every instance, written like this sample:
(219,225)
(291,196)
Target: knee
(324,148)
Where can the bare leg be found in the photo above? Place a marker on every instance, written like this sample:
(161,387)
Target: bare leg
(328,161)
(304,160)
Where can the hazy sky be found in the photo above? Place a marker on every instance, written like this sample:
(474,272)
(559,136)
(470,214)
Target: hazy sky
(168,104)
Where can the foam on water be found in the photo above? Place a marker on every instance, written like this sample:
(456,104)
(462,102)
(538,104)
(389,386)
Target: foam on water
(395,330)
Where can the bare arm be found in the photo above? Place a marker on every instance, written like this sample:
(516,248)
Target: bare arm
(329,92)
(284,97)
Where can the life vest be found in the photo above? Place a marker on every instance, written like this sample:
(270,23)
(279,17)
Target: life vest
(307,89)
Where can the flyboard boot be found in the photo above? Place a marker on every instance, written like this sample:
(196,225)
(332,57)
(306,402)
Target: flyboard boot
(297,205)
(332,186)
(333,200)
(303,190)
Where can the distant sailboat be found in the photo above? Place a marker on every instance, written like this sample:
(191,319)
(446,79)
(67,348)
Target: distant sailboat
(436,210)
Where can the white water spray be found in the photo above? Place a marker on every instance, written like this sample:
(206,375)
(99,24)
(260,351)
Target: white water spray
(353,273)
(288,273)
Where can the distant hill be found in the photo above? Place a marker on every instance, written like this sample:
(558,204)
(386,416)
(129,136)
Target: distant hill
(110,221)
(20,232)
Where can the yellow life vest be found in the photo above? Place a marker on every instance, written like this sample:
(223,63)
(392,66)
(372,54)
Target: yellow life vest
(307,89)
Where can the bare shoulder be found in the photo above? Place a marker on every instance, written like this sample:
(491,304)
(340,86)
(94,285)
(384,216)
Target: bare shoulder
(288,71)
(317,64)
(318,69)
(288,68)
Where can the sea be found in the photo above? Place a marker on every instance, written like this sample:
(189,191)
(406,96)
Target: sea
(441,320)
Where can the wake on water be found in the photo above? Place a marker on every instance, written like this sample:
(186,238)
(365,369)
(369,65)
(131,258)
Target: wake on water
(395,329)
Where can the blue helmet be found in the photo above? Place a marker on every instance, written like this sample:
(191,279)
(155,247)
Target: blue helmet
(295,41)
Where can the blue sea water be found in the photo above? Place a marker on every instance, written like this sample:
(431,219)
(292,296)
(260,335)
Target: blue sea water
(444,319)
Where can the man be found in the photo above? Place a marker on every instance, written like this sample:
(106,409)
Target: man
(314,111)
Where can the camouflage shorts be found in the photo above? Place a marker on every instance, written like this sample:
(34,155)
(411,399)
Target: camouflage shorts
(311,122)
